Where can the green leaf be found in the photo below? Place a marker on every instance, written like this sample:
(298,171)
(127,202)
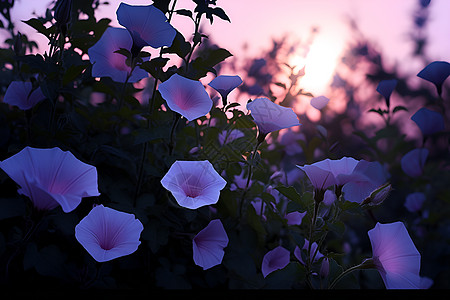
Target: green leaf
(204,64)
(36,24)
(184,12)
(154,66)
(289,192)
(179,46)
(73,72)
(220,13)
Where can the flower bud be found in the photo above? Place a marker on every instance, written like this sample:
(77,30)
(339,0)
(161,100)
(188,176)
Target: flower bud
(62,12)
(325,267)
(378,196)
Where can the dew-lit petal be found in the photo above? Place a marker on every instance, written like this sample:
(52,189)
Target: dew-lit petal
(147,25)
(395,256)
(413,162)
(275,259)
(270,117)
(319,102)
(428,121)
(106,63)
(186,96)
(193,183)
(52,173)
(20,94)
(208,245)
(107,234)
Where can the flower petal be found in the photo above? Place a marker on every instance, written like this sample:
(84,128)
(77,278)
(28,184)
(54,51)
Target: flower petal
(208,245)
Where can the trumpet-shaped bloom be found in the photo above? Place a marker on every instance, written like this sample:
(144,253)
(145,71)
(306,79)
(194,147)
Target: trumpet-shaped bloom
(395,256)
(269,116)
(51,177)
(413,162)
(208,245)
(319,102)
(275,259)
(436,73)
(414,201)
(365,178)
(107,234)
(320,179)
(22,95)
(385,88)
(224,84)
(428,121)
(106,63)
(147,25)
(193,183)
(186,96)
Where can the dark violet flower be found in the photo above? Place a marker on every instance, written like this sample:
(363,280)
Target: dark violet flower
(51,177)
(319,102)
(269,116)
(340,168)
(22,95)
(365,178)
(224,84)
(295,217)
(208,245)
(147,25)
(413,162)
(186,96)
(275,259)
(106,63)
(62,10)
(320,179)
(385,88)
(436,73)
(193,183)
(395,256)
(414,201)
(428,121)
(107,234)
(298,254)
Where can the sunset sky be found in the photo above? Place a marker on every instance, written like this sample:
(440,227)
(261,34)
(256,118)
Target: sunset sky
(256,22)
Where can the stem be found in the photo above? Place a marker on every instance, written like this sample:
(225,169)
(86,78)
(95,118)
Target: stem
(176,119)
(366,264)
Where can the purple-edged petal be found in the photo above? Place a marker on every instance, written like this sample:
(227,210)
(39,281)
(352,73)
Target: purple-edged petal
(186,96)
(319,102)
(395,256)
(193,183)
(106,63)
(321,179)
(224,84)
(20,94)
(147,25)
(413,162)
(275,259)
(107,234)
(270,117)
(436,73)
(208,245)
(428,121)
(52,173)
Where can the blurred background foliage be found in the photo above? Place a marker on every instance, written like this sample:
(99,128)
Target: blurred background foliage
(81,115)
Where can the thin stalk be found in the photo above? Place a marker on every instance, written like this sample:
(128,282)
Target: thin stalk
(366,264)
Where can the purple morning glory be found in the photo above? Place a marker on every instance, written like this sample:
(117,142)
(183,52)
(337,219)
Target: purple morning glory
(414,201)
(436,73)
(22,95)
(395,256)
(147,25)
(193,183)
(385,88)
(224,84)
(298,254)
(107,234)
(106,63)
(275,259)
(429,121)
(269,116)
(208,245)
(186,96)
(51,177)
(412,163)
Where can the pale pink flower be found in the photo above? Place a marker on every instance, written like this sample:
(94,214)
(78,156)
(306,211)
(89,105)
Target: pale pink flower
(51,177)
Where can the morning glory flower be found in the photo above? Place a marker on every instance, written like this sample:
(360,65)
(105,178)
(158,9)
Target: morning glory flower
(107,233)
(295,217)
(429,121)
(147,25)
(270,117)
(319,102)
(275,259)
(208,245)
(385,88)
(22,95)
(413,162)
(414,201)
(51,177)
(298,254)
(395,256)
(320,179)
(224,84)
(436,73)
(193,183)
(106,63)
(226,136)
(186,96)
